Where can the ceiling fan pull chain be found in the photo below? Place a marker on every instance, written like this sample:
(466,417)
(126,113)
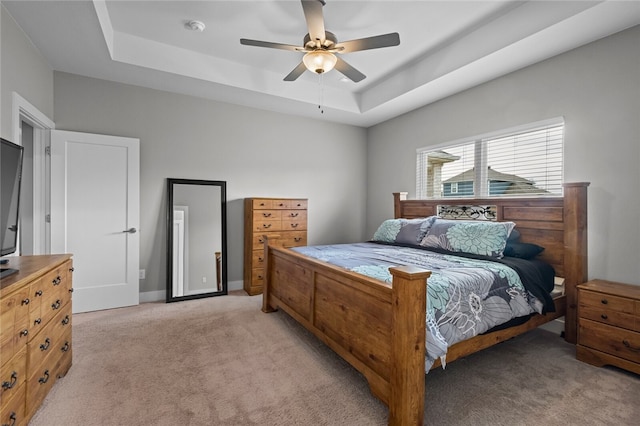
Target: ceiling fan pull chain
(321,102)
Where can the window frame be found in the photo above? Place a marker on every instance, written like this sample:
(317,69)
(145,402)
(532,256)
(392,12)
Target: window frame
(481,187)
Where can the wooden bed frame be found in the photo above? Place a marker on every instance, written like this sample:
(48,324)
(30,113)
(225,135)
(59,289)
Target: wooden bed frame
(379,328)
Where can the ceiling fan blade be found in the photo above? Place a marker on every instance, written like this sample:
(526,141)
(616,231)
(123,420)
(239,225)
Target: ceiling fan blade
(297,72)
(259,43)
(375,42)
(315,21)
(350,72)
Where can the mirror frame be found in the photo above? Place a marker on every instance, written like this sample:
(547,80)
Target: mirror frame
(171,182)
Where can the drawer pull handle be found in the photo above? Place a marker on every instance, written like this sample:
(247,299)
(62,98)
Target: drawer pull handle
(13,418)
(45,377)
(39,293)
(297,239)
(281,204)
(45,345)
(626,343)
(24,332)
(266,225)
(57,281)
(71,290)
(260,240)
(260,259)
(66,347)
(65,320)
(72,269)
(260,277)
(26,301)
(604,316)
(56,305)
(12,383)
(294,225)
(604,301)
(37,321)
(294,215)
(266,214)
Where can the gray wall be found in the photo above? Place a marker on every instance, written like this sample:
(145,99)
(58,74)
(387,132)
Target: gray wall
(23,70)
(258,153)
(597,90)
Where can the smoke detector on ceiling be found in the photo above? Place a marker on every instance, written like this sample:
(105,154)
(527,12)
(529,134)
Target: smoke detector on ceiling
(195,25)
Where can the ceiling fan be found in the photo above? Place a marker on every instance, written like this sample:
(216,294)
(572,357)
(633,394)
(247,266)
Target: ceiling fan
(321,46)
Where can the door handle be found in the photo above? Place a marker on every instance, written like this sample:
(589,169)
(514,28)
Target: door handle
(130,231)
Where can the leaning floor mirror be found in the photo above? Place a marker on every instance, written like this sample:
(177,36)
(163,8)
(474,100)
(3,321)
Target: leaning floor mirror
(197,239)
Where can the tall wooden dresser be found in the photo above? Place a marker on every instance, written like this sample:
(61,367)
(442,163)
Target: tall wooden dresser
(35,333)
(285,217)
(609,324)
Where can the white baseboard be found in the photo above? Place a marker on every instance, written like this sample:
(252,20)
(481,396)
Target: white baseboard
(161,295)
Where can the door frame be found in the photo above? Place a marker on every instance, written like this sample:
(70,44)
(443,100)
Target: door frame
(23,110)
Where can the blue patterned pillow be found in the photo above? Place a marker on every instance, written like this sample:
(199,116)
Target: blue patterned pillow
(469,236)
(403,231)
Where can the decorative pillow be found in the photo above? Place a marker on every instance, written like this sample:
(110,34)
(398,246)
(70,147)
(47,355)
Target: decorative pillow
(522,250)
(403,231)
(469,236)
(514,235)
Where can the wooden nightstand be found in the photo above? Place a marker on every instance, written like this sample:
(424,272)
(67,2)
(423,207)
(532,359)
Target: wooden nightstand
(609,324)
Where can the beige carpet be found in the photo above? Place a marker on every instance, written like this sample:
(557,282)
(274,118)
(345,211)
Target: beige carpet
(220,361)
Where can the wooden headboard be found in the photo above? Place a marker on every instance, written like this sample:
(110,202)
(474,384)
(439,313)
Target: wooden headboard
(559,224)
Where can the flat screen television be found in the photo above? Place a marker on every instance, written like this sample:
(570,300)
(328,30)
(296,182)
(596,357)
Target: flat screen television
(10,178)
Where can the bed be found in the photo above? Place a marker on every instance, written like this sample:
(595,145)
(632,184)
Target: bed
(380,327)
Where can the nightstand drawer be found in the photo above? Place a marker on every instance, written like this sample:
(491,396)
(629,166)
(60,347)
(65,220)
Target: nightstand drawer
(611,340)
(608,316)
(607,301)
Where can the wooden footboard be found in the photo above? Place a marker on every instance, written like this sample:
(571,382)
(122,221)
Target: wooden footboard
(377,328)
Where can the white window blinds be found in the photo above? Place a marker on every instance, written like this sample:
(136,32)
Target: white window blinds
(527,160)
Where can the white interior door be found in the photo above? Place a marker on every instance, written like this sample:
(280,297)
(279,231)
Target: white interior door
(95,213)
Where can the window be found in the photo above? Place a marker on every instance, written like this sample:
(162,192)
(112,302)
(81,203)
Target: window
(527,160)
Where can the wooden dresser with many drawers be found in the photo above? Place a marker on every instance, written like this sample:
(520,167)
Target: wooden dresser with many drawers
(35,333)
(285,217)
(609,324)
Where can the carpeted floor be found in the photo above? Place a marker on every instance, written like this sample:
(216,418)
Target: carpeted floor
(221,361)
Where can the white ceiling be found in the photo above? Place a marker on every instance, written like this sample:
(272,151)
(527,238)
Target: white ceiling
(446,47)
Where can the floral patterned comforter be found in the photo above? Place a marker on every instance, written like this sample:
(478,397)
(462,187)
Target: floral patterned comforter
(465,297)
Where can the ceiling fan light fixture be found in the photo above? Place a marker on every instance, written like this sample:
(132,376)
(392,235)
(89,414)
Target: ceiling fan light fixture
(319,61)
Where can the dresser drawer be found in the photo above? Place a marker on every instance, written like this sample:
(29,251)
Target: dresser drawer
(42,380)
(51,339)
(263,215)
(297,204)
(12,374)
(262,204)
(13,409)
(14,319)
(608,316)
(293,239)
(258,240)
(607,301)
(37,296)
(257,277)
(267,225)
(609,339)
(258,258)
